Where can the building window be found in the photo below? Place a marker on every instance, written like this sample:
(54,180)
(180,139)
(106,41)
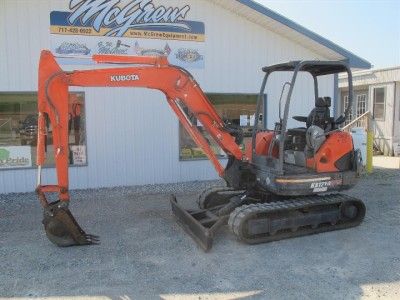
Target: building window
(18,130)
(238,109)
(361,104)
(379,103)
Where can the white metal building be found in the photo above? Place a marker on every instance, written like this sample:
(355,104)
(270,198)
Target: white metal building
(378,91)
(131,135)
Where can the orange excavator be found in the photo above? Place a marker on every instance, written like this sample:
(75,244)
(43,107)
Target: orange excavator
(285,184)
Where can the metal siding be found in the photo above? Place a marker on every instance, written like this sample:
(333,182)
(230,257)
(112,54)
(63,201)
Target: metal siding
(372,77)
(132,135)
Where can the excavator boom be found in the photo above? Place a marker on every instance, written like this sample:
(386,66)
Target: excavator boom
(182,92)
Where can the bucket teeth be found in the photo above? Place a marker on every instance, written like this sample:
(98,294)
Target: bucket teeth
(62,229)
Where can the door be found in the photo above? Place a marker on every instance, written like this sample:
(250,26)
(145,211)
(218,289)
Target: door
(360,105)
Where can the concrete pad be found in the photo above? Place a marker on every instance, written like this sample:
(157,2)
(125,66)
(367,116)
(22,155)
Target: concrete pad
(387,162)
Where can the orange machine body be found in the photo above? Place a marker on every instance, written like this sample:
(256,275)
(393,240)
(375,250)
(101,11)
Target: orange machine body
(337,145)
(263,142)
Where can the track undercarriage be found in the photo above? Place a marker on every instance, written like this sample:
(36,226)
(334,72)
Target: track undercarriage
(261,218)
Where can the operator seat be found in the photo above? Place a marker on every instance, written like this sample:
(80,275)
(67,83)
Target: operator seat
(321,116)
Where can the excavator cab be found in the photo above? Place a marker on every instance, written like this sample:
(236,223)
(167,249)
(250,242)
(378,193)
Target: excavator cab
(285,159)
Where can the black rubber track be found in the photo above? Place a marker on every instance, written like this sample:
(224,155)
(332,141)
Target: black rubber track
(240,217)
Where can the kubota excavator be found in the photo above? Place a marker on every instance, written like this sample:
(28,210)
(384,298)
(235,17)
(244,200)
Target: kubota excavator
(284,185)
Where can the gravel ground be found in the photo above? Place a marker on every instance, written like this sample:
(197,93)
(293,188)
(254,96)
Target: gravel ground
(144,254)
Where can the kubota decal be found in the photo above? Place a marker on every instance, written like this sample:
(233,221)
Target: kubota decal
(132,77)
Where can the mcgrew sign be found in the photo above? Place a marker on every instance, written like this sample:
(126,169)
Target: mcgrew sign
(136,14)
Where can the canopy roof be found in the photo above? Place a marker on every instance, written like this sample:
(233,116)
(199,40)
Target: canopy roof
(316,68)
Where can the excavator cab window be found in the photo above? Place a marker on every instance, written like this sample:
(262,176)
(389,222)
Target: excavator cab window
(319,116)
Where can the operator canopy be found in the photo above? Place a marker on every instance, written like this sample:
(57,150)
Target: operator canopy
(316,68)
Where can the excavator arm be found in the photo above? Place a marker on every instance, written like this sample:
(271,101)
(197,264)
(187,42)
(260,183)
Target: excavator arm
(180,88)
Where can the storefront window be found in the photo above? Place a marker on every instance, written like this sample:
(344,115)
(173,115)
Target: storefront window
(238,109)
(18,130)
(379,103)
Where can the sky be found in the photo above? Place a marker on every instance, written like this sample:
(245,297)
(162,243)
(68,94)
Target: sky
(370,29)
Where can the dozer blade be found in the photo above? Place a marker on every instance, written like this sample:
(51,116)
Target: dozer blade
(200,224)
(62,229)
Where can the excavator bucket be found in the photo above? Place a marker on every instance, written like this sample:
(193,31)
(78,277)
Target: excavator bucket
(200,224)
(62,229)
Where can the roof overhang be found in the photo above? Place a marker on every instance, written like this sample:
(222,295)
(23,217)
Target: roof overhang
(369,77)
(277,23)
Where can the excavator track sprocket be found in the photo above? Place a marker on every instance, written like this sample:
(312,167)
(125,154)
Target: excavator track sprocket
(216,196)
(267,222)
(62,229)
